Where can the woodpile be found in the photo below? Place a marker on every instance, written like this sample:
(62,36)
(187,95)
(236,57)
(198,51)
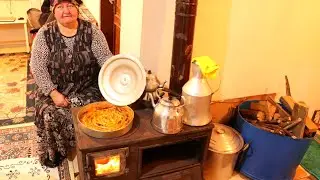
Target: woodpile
(289,118)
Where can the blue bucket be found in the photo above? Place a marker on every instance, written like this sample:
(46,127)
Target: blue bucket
(269,156)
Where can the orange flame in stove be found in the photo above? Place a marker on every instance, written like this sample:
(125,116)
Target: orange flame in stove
(107,165)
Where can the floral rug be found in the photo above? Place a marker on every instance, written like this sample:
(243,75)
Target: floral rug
(18,143)
(26,169)
(18,157)
(16,90)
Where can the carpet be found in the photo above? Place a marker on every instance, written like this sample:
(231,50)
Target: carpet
(26,169)
(17,90)
(311,159)
(18,143)
(18,148)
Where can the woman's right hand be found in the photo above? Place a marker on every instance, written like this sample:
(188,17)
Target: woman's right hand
(59,99)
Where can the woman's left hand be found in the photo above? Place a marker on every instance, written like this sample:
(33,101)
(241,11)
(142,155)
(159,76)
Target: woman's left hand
(59,99)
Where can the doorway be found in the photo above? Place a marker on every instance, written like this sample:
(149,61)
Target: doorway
(111,23)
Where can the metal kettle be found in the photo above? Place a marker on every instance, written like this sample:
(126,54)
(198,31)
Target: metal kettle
(197,93)
(168,113)
(152,85)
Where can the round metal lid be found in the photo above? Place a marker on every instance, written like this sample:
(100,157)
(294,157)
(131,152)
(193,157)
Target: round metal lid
(225,140)
(122,80)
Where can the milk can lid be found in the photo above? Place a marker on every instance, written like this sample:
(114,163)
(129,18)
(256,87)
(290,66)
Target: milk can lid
(225,140)
(122,80)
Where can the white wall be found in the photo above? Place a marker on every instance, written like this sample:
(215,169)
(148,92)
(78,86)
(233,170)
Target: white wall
(259,42)
(131,27)
(94,8)
(12,33)
(146,31)
(17,8)
(35,3)
(211,35)
(157,37)
(271,39)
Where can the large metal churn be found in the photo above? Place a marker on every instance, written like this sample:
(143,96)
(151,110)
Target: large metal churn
(225,145)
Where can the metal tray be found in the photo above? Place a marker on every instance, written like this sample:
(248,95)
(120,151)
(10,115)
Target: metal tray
(102,134)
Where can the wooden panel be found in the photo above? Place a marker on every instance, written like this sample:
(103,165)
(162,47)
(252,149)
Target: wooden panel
(107,18)
(116,40)
(225,111)
(116,26)
(185,17)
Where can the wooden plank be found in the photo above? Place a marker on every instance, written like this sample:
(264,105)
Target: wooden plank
(300,111)
(224,111)
(312,127)
(264,106)
(288,102)
(276,116)
(288,91)
(253,114)
(282,112)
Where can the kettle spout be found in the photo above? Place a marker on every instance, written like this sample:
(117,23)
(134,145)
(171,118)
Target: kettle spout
(152,100)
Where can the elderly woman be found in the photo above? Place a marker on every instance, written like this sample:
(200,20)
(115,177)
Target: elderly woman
(65,61)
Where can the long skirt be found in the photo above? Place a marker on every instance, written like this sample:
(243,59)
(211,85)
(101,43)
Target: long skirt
(55,125)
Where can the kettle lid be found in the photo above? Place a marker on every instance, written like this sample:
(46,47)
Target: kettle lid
(170,101)
(225,140)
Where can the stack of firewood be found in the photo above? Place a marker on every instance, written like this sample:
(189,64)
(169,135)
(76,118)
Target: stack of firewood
(271,116)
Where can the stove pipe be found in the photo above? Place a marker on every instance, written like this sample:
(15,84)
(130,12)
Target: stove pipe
(185,17)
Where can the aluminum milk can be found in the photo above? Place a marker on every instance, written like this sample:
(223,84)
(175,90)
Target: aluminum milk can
(197,93)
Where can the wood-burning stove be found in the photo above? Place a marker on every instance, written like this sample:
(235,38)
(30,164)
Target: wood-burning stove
(143,153)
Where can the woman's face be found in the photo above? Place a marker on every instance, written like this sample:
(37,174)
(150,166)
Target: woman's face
(66,13)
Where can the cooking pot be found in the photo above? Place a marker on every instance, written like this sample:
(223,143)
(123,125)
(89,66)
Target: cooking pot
(224,148)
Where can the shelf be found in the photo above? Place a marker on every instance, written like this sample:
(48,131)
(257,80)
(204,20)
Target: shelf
(13,22)
(13,50)
(161,159)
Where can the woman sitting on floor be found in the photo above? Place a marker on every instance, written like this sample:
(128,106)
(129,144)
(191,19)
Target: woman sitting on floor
(65,61)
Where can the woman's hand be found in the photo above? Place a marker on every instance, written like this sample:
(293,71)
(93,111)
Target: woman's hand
(59,99)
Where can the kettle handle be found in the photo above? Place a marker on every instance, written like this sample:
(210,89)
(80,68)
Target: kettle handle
(180,97)
(171,92)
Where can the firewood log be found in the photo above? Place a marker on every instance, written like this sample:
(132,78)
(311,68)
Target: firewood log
(253,114)
(299,112)
(265,107)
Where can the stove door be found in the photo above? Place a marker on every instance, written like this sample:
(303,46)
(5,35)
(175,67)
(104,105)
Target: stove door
(105,164)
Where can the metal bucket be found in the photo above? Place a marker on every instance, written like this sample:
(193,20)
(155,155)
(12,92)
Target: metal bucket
(224,148)
(269,156)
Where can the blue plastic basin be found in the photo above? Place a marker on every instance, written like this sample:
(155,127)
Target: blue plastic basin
(269,156)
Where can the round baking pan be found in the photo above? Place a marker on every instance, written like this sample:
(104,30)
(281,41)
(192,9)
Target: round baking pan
(103,134)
